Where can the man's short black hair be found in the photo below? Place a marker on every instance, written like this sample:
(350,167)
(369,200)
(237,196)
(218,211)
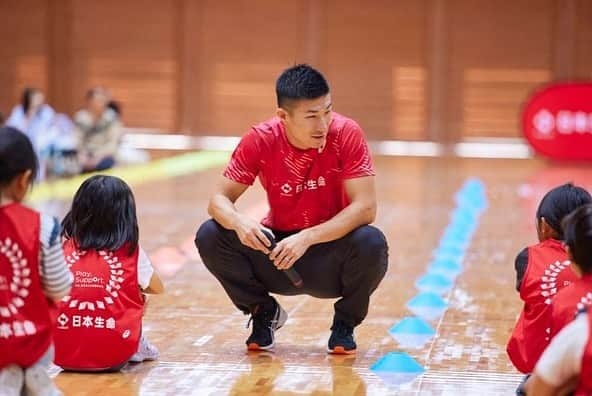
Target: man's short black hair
(300,82)
(577,228)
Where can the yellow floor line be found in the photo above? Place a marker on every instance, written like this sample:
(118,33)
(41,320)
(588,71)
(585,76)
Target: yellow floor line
(133,175)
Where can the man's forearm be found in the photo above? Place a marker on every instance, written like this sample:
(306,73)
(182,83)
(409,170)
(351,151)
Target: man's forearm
(223,211)
(351,217)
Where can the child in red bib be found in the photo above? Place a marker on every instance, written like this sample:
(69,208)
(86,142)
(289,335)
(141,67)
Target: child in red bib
(566,365)
(99,324)
(33,274)
(578,295)
(543,269)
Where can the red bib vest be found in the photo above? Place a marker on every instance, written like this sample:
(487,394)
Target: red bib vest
(547,272)
(569,301)
(100,322)
(585,384)
(25,325)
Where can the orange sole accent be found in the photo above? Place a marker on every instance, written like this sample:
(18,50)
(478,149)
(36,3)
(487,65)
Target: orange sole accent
(254,347)
(339,350)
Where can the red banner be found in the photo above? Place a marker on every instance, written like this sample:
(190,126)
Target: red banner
(557,121)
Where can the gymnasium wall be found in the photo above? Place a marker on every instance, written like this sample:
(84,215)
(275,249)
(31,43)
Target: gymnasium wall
(407,69)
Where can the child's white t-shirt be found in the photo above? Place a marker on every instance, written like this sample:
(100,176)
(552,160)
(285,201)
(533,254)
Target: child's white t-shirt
(562,359)
(145,269)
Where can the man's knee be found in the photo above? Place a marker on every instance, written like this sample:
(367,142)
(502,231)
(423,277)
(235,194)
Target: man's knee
(207,236)
(369,242)
(369,239)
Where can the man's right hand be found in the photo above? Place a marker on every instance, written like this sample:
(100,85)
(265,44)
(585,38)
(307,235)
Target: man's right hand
(222,209)
(250,234)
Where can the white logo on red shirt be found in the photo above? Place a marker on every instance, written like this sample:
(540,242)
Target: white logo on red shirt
(63,320)
(311,184)
(19,285)
(585,302)
(111,287)
(549,280)
(286,188)
(18,329)
(97,322)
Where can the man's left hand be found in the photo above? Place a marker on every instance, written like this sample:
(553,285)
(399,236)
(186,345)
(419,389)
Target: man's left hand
(290,249)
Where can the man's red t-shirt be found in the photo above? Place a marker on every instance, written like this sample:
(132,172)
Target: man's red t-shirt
(304,187)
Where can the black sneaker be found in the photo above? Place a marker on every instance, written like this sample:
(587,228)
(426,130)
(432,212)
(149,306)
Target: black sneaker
(341,341)
(265,322)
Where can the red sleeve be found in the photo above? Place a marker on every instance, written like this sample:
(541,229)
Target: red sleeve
(355,155)
(245,162)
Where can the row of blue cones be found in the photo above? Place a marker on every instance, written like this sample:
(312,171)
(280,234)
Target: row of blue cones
(413,332)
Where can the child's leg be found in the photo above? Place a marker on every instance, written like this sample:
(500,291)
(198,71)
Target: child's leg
(146,350)
(11,380)
(37,381)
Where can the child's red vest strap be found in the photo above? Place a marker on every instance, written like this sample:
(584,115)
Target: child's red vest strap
(99,324)
(25,326)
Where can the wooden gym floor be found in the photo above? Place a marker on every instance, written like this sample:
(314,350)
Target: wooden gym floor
(201,335)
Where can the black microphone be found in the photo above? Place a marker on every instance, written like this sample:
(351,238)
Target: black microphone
(291,273)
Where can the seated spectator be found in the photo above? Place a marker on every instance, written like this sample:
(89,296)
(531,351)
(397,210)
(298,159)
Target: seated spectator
(127,154)
(115,106)
(34,117)
(98,132)
(64,158)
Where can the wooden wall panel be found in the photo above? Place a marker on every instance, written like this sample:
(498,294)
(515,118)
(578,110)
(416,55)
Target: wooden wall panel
(23,49)
(375,60)
(406,69)
(131,48)
(242,49)
(498,54)
(583,37)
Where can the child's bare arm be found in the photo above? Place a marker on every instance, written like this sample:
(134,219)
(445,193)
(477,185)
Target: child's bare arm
(520,264)
(537,386)
(148,278)
(155,286)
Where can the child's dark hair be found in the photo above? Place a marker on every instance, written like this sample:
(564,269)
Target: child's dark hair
(103,215)
(27,98)
(559,202)
(16,155)
(115,106)
(577,228)
(300,82)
